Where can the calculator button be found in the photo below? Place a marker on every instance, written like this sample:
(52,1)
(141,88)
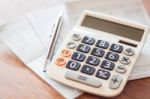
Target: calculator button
(107,65)
(121,69)
(125,60)
(98,52)
(129,52)
(76,37)
(112,56)
(71,45)
(83,48)
(103,74)
(88,70)
(60,61)
(83,79)
(116,48)
(102,44)
(88,40)
(78,56)
(73,65)
(65,53)
(93,60)
(115,82)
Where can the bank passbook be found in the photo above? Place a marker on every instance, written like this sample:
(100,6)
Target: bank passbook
(98,54)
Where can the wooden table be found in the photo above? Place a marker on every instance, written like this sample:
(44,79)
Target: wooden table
(19,82)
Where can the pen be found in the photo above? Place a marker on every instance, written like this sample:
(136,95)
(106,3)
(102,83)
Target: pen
(54,37)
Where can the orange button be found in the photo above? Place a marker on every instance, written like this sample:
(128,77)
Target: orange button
(65,53)
(60,61)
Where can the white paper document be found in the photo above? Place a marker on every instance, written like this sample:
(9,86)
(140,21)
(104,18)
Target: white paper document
(28,36)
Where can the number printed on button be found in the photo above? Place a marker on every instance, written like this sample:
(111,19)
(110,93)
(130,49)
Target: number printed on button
(107,65)
(116,48)
(98,52)
(73,65)
(112,56)
(78,56)
(102,44)
(93,60)
(88,40)
(83,48)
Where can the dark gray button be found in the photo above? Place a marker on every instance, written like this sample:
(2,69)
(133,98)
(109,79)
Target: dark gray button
(88,40)
(129,52)
(76,37)
(125,60)
(115,82)
(98,52)
(73,65)
(83,79)
(88,70)
(102,44)
(116,48)
(83,48)
(121,69)
(71,45)
(107,65)
(103,74)
(78,56)
(112,56)
(93,60)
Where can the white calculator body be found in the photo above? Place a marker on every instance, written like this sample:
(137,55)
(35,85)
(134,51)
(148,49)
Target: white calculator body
(98,55)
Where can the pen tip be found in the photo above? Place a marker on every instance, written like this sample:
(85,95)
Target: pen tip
(45,66)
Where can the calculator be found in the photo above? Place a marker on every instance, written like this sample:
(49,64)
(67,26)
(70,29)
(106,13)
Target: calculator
(98,54)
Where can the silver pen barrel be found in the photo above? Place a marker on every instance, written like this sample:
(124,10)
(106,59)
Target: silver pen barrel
(55,34)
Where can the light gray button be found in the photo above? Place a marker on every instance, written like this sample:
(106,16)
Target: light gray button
(83,79)
(71,45)
(129,52)
(121,69)
(76,37)
(115,82)
(125,60)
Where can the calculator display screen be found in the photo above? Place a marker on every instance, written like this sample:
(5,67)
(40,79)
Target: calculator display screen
(113,28)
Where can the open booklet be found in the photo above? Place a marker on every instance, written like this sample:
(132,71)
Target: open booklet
(28,36)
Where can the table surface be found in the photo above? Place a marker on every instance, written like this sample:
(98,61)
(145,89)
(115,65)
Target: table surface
(19,82)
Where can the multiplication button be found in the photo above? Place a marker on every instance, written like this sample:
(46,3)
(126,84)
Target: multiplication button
(125,60)
(103,74)
(78,56)
(83,48)
(73,65)
(88,40)
(88,70)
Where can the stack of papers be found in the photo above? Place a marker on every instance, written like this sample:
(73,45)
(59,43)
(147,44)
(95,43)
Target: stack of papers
(28,35)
